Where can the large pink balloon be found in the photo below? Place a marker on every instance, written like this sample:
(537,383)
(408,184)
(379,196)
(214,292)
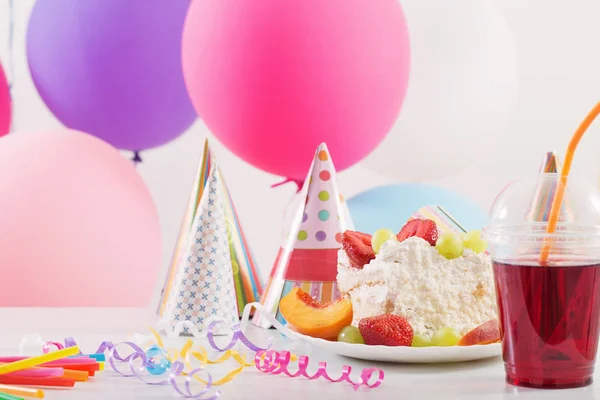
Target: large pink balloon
(78,227)
(273,79)
(5,104)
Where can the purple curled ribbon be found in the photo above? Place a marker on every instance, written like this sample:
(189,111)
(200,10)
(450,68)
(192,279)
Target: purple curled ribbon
(272,362)
(176,370)
(70,342)
(238,335)
(138,368)
(187,393)
(137,371)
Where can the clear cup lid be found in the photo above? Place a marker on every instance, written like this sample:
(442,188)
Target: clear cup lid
(520,212)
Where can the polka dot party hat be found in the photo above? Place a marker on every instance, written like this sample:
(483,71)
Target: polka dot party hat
(212,271)
(308,257)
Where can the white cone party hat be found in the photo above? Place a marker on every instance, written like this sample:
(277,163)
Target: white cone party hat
(203,287)
(308,257)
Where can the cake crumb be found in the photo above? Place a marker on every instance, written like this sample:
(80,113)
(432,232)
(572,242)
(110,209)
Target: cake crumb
(479,290)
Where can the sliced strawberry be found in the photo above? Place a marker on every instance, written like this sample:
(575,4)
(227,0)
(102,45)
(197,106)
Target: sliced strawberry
(426,229)
(357,246)
(364,237)
(386,330)
(409,230)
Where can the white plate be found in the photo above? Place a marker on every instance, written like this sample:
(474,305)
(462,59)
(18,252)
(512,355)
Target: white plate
(403,354)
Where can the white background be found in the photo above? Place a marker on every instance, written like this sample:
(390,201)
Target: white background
(559,62)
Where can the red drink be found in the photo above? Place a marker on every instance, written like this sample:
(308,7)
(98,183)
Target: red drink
(549,318)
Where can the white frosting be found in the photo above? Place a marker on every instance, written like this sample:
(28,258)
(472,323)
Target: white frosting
(413,280)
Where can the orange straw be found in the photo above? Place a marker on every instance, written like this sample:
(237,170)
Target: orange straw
(21,391)
(564,174)
(77,376)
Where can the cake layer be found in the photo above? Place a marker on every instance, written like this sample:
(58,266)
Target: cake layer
(413,280)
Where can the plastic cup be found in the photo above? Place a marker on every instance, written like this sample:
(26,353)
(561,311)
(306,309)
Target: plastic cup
(550,313)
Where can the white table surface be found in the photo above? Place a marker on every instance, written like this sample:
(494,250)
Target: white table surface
(471,380)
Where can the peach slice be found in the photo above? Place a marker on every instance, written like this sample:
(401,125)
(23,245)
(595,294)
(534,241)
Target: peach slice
(312,318)
(484,334)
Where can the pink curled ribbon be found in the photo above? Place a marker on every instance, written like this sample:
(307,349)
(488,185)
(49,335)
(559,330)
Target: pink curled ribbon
(238,336)
(47,347)
(272,362)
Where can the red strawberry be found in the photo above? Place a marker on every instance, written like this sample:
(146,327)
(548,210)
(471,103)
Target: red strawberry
(386,330)
(358,247)
(426,229)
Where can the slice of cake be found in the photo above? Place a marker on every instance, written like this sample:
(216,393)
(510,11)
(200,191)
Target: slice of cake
(434,282)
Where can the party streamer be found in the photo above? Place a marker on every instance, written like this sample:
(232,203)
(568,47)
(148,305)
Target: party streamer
(188,382)
(138,362)
(157,365)
(202,355)
(238,335)
(272,362)
(140,357)
(176,370)
(70,342)
(267,316)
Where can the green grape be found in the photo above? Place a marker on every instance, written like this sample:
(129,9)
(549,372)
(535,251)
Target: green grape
(472,240)
(445,337)
(420,341)
(380,237)
(450,245)
(350,334)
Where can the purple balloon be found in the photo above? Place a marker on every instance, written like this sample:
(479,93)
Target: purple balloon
(112,68)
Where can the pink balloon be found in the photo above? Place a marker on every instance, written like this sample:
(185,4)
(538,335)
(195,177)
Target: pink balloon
(5,104)
(273,79)
(78,227)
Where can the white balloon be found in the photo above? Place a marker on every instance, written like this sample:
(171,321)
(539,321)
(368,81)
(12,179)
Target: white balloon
(462,91)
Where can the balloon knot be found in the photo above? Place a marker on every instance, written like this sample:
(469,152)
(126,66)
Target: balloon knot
(299,183)
(136,157)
